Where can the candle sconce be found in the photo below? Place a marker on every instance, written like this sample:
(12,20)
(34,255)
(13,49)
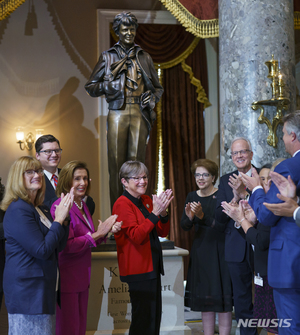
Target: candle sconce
(278,100)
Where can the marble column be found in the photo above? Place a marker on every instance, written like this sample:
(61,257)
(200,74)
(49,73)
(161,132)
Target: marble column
(250,32)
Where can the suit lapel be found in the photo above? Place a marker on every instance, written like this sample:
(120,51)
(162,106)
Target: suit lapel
(77,212)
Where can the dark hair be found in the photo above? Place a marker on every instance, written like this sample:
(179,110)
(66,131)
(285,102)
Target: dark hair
(125,18)
(45,139)
(266,166)
(65,178)
(209,165)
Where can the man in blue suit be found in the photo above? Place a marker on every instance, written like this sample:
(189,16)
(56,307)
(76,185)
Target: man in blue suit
(284,250)
(238,253)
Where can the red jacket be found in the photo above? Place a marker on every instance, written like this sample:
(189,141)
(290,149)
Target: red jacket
(133,241)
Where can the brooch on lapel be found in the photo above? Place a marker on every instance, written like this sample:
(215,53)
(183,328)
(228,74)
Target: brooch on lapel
(147,205)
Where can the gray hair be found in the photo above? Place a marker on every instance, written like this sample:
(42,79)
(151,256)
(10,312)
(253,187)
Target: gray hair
(292,123)
(241,138)
(132,168)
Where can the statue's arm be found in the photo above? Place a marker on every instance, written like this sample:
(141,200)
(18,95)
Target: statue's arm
(94,85)
(155,81)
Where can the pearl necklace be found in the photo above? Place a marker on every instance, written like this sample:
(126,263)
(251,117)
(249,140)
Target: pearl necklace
(79,207)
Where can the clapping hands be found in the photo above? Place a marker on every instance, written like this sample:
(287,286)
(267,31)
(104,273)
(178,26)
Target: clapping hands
(192,209)
(161,202)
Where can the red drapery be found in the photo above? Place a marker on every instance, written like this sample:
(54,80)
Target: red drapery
(182,117)
(202,9)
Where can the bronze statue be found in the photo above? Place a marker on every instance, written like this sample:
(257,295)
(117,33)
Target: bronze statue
(126,75)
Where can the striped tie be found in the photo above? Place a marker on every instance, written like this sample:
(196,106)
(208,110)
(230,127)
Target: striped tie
(54,177)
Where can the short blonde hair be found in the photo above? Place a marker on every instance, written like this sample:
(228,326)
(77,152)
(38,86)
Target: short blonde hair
(65,177)
(15,186)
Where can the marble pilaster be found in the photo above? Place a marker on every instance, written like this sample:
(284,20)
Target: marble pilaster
(250,32)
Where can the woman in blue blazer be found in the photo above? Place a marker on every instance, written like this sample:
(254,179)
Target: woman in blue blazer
(31,276)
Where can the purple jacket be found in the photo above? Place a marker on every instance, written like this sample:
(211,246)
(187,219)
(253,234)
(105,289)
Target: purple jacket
(75,260)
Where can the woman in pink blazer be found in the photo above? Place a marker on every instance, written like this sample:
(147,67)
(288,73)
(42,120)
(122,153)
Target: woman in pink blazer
(75,260)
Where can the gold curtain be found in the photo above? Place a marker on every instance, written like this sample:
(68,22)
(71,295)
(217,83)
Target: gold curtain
(201,17)
(8,6)
(198,17)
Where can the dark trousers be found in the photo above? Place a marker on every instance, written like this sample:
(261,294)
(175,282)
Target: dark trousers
(287,303)
(241,277)
(146,307)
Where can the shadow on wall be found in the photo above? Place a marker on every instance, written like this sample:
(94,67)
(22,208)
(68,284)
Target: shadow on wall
(63,118)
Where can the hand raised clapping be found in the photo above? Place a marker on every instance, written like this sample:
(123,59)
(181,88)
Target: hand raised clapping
(161,202)
(192,209)
(238,187)
(110,224)
(62,210)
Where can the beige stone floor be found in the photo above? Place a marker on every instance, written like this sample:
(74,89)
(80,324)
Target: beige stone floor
(194,323)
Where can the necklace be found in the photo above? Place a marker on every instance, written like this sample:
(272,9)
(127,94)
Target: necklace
(79,207)
(212,191)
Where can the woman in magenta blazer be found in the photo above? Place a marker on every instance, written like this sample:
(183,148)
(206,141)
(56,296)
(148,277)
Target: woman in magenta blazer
(75,260)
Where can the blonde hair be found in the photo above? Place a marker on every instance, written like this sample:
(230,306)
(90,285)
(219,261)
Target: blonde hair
(15,186)
(65,178)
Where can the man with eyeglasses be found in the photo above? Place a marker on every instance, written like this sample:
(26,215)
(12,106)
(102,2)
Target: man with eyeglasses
(48,152)
(238,253)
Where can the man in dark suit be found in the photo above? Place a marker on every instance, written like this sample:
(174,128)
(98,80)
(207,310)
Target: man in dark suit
(284,251)
(48,152)
(238,252)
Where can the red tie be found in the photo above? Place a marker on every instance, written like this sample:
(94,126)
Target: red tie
(54,177)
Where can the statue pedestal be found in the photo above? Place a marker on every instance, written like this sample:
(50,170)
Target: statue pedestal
(109,308)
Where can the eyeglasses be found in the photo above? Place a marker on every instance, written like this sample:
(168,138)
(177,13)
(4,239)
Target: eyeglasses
(242,152)
(137,179)
(202,175)
(49,152)
(31,173)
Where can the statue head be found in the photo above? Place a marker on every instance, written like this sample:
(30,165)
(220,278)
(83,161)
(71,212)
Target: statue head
(125,18)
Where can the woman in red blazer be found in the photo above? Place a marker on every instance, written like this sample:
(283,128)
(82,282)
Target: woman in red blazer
(138,247)
(75,260)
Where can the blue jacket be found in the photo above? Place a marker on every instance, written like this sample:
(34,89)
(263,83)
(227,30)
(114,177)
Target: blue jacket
(284,250)
(30,272)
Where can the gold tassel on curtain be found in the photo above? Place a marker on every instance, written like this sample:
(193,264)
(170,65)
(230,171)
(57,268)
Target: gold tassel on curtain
(8,6)
(199,28)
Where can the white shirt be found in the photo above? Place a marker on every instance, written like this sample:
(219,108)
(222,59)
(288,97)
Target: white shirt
(49,176)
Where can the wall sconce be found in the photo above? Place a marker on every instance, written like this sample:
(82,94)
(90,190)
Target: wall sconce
(278,100)
(28,141)
(39,133)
